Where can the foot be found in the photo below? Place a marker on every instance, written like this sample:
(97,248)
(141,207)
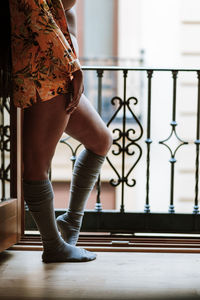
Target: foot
(67,253)
(69,228)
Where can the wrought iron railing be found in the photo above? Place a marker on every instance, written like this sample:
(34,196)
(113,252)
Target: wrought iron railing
(4,136)
(110,79)
(7,113)
(133,142)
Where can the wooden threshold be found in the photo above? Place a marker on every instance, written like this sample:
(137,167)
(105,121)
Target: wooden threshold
(109,243)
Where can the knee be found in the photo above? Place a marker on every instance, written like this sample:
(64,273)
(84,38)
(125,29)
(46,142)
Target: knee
(35,168)
(103,143)
(30,173)
(108,141)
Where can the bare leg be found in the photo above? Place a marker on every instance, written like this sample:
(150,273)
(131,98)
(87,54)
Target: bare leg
(44,123)
(86,126)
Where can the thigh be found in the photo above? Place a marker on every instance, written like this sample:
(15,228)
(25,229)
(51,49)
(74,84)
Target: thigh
(43,125)
(86,126)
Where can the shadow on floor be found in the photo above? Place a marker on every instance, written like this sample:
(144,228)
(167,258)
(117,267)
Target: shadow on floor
(5,256)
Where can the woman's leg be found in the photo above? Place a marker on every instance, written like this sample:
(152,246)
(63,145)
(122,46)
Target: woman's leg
(43,126)
(86,126)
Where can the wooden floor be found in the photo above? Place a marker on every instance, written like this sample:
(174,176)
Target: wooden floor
(112,276)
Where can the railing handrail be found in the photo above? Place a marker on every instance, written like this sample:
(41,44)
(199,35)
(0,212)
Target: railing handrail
(121,68)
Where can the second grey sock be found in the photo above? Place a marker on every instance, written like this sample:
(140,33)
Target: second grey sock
(85,174)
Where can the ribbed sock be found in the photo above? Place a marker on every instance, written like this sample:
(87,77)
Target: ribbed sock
(39,198)
(85,174)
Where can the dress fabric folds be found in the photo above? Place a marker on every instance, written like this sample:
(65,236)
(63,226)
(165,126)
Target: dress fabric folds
(43,56)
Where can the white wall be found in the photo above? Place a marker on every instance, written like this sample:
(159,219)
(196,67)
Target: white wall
(98,28)
(129,28)
(152,25)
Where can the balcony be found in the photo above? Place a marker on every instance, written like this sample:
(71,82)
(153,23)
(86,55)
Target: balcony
(152,170)
(142,166)
(147,237)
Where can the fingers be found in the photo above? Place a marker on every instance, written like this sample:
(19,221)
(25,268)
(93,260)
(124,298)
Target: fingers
(73,103)
(75,90)
(71,110)
(77,85)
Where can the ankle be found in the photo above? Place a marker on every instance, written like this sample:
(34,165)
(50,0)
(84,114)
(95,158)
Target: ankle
(52,245)
(72,218)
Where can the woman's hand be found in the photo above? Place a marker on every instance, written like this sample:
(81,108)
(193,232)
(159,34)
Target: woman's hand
(76,91)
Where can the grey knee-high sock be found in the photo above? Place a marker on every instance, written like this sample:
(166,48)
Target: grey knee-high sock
(39,198)
(85,174)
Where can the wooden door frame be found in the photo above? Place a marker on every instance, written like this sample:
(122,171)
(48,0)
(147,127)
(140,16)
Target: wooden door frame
(11,210)
(18,180)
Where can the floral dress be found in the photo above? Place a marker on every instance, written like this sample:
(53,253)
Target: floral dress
(43,56)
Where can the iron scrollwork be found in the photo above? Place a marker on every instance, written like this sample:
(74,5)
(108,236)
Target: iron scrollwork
(4,145)
(124,136)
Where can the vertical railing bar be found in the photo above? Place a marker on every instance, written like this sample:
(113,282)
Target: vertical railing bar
(197,142)
(148,141)
(98,205)
(99,99)
(174,75)
(125,73)
(171,206)
(172,159)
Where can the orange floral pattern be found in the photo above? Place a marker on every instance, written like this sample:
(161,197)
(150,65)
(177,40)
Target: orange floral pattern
(43,56)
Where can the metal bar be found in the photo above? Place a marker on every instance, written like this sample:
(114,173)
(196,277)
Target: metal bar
(197,142)
(99,99)
(118,68)
(174,75)
(98,205)
(125,73)
(171,206)
(173,132)
(173,160)
(148,141)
